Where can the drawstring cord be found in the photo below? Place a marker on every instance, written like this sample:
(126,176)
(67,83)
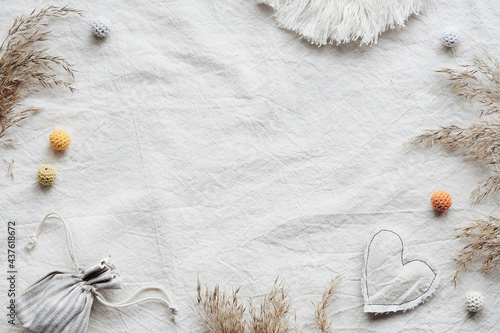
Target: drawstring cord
(128,302)
(69,238)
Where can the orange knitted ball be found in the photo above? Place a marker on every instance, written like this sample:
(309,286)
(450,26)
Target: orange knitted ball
(441,201)
(59,140)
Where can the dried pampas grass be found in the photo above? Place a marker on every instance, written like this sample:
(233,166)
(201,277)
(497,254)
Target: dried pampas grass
(24,67)
(483,239)
(479,81)
(479,141)
(225,314)
(323,321)
(221,313)
(273,315)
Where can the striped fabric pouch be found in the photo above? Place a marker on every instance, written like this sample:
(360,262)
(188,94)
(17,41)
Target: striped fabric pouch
(61,301)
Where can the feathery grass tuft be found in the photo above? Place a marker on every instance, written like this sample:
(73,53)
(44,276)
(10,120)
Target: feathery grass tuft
(323,322)
(273,315)
(221,313)
(483,239)
(224,314)
(479,81)
(24,66)
(480,141)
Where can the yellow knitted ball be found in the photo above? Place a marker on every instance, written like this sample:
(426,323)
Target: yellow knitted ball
(46,175)
(59,139)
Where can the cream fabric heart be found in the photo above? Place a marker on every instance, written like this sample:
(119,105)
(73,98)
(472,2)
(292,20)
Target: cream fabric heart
(392,279)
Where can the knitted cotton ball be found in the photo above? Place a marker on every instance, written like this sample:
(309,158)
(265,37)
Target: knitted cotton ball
(451,37)
(101,26)
(441,201)
(46,175)
(474,301)
(59,139)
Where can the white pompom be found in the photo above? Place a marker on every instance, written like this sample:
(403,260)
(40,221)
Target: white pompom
(451,37)
(101,26)
(474,301)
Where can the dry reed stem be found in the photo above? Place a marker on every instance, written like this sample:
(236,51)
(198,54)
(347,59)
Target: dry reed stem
(24,67)
(483,239)
(323,322)
(10,171)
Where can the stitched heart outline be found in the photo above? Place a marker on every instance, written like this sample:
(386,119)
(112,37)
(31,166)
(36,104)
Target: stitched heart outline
(392,279)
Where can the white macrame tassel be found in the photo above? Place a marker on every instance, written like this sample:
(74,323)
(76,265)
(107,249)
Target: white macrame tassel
(342,21)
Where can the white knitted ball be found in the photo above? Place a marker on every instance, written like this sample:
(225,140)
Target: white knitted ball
(451,37)
(101,26)
(474,301)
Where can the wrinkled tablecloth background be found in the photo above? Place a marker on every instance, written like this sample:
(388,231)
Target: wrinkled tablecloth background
(208,142)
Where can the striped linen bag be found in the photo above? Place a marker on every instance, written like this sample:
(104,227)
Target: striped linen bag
(61,301)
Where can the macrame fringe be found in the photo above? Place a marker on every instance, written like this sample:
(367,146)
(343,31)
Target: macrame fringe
(342,21)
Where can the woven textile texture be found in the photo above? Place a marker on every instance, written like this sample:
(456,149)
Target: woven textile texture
(208,142)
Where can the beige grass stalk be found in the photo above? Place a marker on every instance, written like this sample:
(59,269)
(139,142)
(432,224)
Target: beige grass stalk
(221,313)
(323,321)
(274,314)
(478,81)
(482,239)
(24,66)
(224,314)
(10,170)
(480,141)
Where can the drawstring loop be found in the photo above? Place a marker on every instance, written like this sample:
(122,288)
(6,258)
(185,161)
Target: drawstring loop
(69,238)
(128,302)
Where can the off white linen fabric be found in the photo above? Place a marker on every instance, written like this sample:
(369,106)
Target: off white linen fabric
(208,142)
(393,279)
